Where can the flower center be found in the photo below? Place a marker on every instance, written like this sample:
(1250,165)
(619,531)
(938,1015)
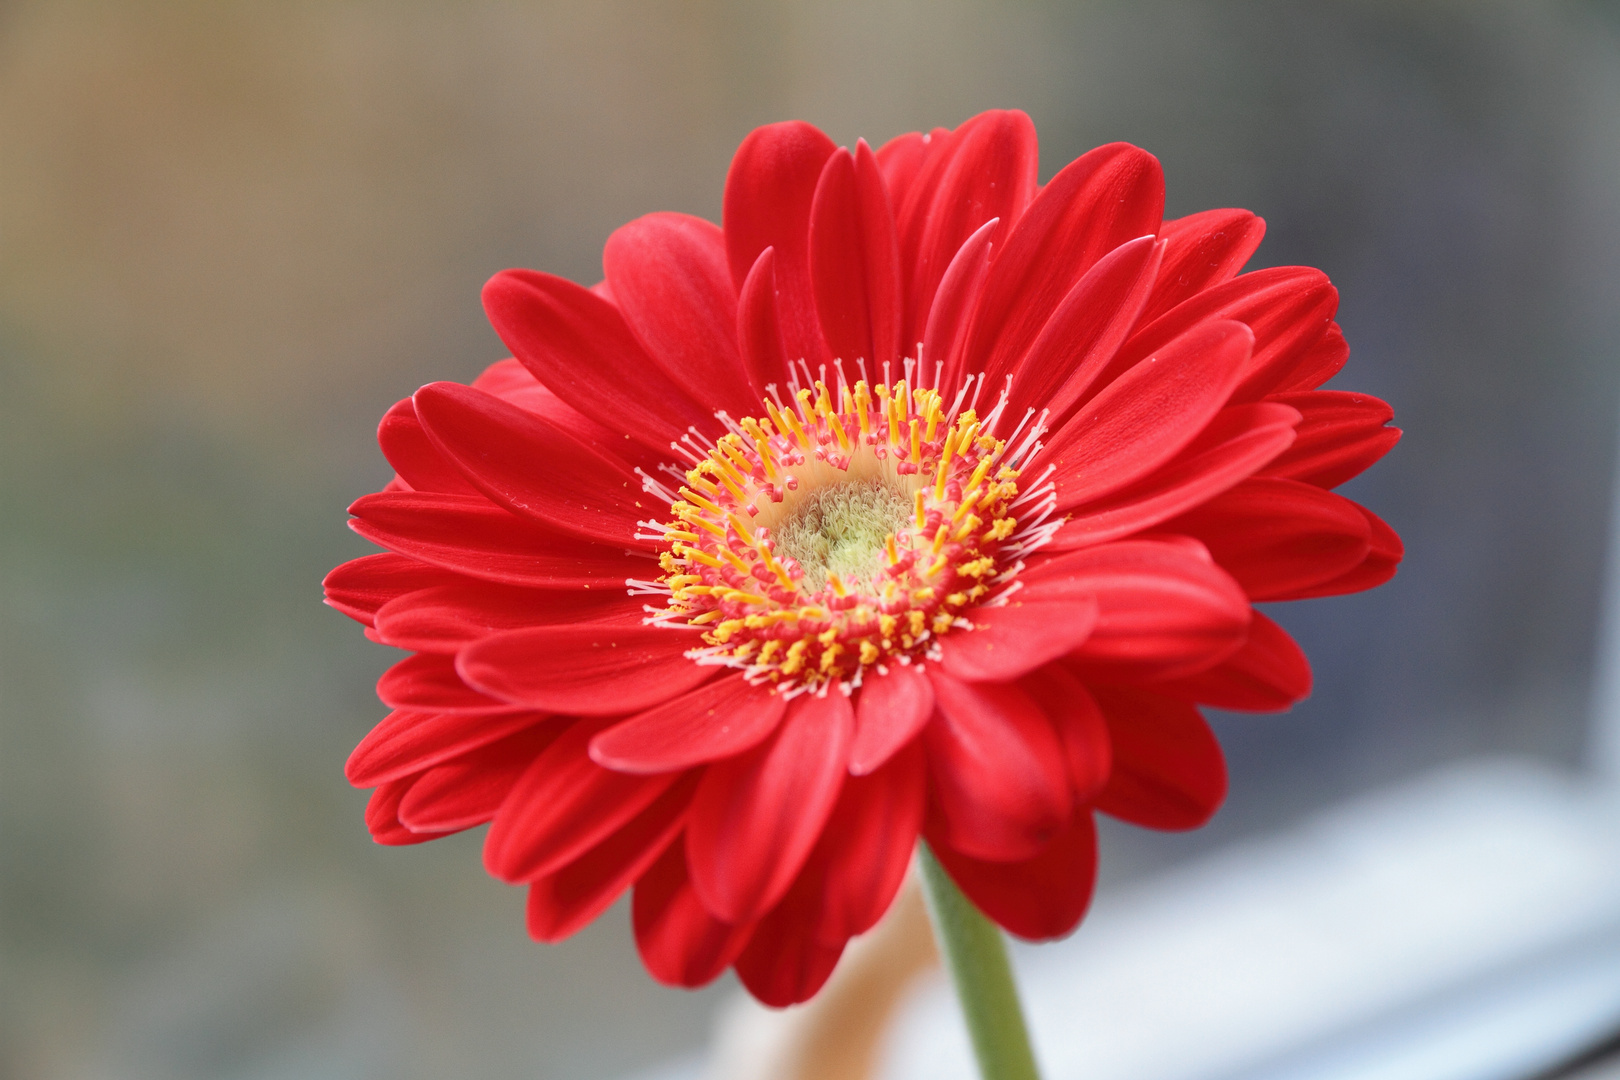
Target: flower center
(843,531)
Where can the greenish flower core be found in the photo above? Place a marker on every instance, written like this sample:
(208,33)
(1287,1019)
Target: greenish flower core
(841,530)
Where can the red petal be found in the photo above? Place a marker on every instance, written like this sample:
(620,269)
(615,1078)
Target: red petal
(414,457)
(1168,769)
(1015,639)
(911,210)
(717,720)
(1378,567)
(428,682)
(1315,366)
(1203,250)
(945,335)
(1340,435)
(1279,537)
(512,382)
(759,326)
(680,942)
(578,345)
(1099,201)
(1164,609)
(996,769)
(408,742)
(855,259)
(1083,333)
(1039,898)
(991,173)
(784,962)
(564,902)
(361,586)
(1268,674)
(564,805)
(860,862)
(533,468)
(588,670)
(470,535)
(1080,725)
(382,815)
(890,709)
(669,278)
(447,618)
(1148,414)
(468,790)
(1240,440)
(767,204)
(1289,308)
(900,159)
(756,817)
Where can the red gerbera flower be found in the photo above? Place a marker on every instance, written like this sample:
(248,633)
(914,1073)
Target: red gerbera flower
(921,500)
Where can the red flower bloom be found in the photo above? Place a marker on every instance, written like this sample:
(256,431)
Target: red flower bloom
(942,497)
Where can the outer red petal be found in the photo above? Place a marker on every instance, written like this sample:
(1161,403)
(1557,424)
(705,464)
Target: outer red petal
(446,618)
(717,720)
(1313,367)
(595,670)
(1269,674)
(1013,640)
(467,790)
(769,190)
(1240,440)
(1204,250)
(860,861)
(1148,414)
(890,710)
(1386,551)
(913,200)
(1168,769)
(533,468)
(785,963)
(996,770)
(1083,333)
(670,280)
(408,742)
(991,173)
(564,805)
(414,457)
(564,902)
(469,535)
(510,381)
(756,817)
(855,260)
(945,332)
(1097,202)
(428,682)
(900,159)
(382,815)
(1289,308)
(577,343)
(1164,608)
(680,942)
(1341,434)
(1080,725)
(361,586)
(759,326)
(1279,537)
(1039,898)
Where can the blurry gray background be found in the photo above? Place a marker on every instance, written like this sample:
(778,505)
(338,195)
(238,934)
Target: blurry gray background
(232,234)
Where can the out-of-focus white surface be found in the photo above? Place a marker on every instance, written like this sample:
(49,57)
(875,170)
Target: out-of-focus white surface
(1463,927)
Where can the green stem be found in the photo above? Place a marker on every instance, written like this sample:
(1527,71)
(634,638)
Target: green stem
(977,957)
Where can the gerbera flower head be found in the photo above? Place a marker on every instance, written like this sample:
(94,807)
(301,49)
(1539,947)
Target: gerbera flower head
(919,501)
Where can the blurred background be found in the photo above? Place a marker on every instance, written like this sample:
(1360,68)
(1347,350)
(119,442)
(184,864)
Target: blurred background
(232,234)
